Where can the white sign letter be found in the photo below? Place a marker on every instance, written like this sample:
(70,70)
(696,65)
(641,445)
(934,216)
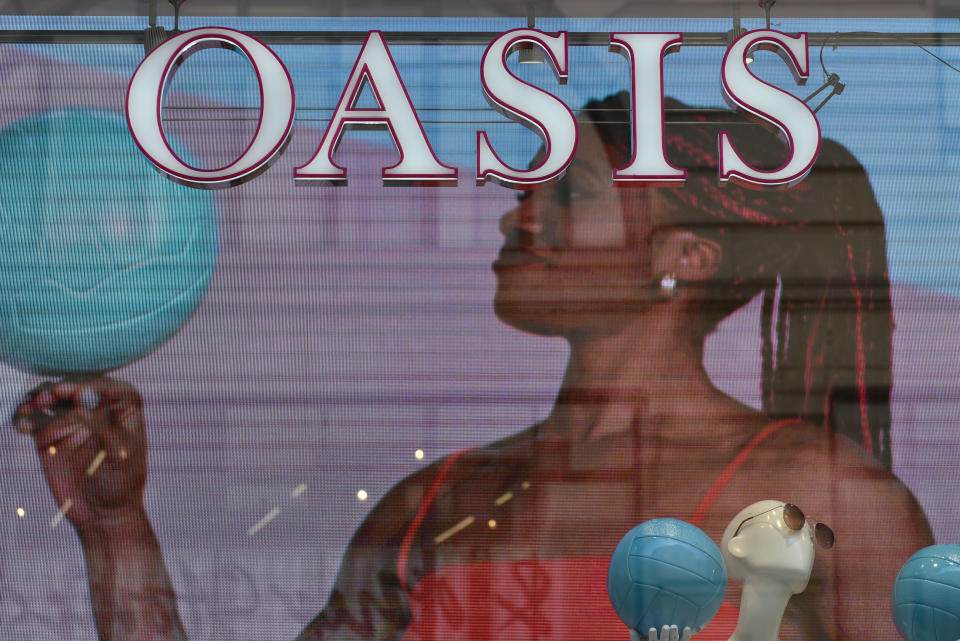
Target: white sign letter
(145,100)
(645,52)
(789,114)
(418,163)
(528,105)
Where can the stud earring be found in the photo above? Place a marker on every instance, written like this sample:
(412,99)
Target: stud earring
(668,286)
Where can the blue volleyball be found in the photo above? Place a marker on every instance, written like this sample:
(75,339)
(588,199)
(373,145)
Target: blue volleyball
(102,259)
(926,595)
(666,572)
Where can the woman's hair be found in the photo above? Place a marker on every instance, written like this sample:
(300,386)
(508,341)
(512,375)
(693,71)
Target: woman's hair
(816,252)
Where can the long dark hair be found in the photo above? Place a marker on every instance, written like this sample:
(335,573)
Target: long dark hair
(816,252)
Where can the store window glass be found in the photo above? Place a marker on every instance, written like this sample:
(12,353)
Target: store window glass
(376,411)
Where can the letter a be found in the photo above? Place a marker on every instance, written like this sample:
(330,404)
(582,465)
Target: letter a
(418,163)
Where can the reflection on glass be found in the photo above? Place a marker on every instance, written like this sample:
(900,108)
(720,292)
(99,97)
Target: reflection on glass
(633,279)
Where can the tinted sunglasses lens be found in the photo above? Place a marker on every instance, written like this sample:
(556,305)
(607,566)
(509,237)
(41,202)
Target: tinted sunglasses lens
(824,536)
(793,517)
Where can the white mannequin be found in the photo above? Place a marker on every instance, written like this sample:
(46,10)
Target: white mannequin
(772,561)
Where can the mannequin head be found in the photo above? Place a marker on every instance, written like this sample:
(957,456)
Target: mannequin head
(759,544)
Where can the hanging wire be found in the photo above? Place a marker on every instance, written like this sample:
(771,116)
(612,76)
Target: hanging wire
(833,80)
(835,39)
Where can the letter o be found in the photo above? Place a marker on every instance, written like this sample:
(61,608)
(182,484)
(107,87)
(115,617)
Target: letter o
(145,100)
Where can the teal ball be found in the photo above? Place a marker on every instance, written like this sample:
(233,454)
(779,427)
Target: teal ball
(102,259)
(666,572)
(926,595)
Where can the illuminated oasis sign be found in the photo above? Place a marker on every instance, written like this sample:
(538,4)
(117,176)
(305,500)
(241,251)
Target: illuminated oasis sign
(522,102)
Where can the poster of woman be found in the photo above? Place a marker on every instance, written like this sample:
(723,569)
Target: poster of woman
(432,412)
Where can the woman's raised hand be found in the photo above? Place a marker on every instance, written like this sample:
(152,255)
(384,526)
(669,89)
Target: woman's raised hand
(91,441)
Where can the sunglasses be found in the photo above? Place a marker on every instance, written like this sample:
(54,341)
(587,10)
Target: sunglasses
(794,519)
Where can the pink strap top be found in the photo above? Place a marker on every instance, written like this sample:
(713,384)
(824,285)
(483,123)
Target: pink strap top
(538,599)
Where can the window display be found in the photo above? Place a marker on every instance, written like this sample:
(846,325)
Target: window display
(432,411)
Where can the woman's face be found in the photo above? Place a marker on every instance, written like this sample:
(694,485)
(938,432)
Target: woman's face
(578,253)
